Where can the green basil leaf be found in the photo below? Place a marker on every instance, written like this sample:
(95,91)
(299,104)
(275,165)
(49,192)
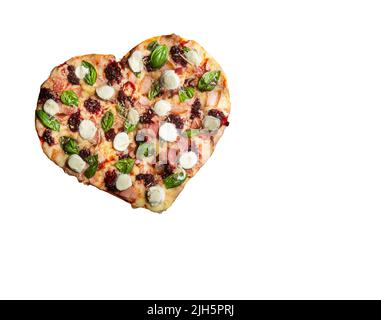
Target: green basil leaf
(91,76)
(69,98)
(128,127)
(209,80)
(186,93)
(152,45)
(93,166)
(186,49)
(159,56)
(48,121)
(190,133)
(69,145)
(121,109)
(155,90)
(125,165)
(174,180)
(146,149)
(107,121)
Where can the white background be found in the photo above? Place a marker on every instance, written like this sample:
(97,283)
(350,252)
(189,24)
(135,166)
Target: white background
(289,206)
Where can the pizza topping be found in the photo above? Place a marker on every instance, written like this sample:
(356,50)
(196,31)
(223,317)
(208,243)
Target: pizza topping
(89,76)
(107,121)
(170,80)
(113,72)
(48,121)
(135,61)
(165,170)
(123,182)
(148,179)
(193,57)
(186,93)
(87,129)
(177,54)
(121,141)
(110,134)
(110,180)
(125,165)
(47,137)
(129,127)
(93,166)
(76,163)
(92,105)
(188,160)
(159,56)
(190,82)
(105,92)
(147,116)
(211,123)
(175,179)
(209,80)
(155,195)
(69,145)
(84,153)
(195,110)
(70,98)
(81,71)
(168,132)
(155,90)
(74,121)
(220,115)
(46,94)
(133,116)
(71,76)
(176,120)
(145,151)
(51,107)
(162,107)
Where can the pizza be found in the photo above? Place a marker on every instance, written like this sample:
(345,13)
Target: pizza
(139,128)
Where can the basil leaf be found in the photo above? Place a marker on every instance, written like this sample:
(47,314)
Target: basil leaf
(174,180)
(209,80)
(186,93)
(48,121)
(155,90)
(107,121)
(121,109)
(69,145)
(91,76)
(159,56)
(145,150)
(69,98)
(186,49)
(93,166)
(128,127)
(190,133)
(125,165)
(152,45)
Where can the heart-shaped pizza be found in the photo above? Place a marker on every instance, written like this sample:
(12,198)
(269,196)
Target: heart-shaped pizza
(139,128)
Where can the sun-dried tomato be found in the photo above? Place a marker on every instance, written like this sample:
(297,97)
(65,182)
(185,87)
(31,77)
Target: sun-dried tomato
(176,120)
(148,179)
(71,76)
(92,105)
(74,121)
(113,72)
(47,137)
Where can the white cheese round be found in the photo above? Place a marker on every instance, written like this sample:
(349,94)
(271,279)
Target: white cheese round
(162,107)
(81,72)
(135,61)
(121,141)
(170,80)
(188,160)
(133,116)
(168,132)
(155,195)
(105,92)
(87,129)
(193,57)
(51,107)
(76,163)
(211,123)
(123,182)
